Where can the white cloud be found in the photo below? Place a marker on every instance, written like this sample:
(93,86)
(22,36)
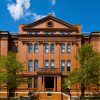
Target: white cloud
(37,17)
(18,9)
(53,2)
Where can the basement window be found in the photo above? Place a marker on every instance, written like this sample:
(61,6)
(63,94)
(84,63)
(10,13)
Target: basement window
(49,94)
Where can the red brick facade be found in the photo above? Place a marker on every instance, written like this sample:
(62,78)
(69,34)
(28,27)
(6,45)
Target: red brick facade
(39,59)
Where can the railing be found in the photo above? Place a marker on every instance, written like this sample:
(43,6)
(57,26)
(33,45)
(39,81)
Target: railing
(66,91)
(49,71)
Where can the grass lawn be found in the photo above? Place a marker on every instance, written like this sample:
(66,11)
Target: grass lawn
(5,98)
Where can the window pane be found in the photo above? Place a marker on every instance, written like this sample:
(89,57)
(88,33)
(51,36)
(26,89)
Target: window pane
(30,65)
(46,63)
(52,64)
(46,33)
(52,33)
(35,65)
(36,33)
(62,33)
(29,82)
(62,47)
(29,32)
(30,47)
(52,48)
(68,33)
(62,65)
(46,48)
(36,48)
(68,48)
(68,65)
(35,82)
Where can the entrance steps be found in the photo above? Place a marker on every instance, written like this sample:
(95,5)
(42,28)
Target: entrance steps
(53,96)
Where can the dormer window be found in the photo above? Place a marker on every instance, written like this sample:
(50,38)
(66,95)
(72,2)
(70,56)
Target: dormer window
(52,33)
(46,33)
(29,32)
(62,33)
(36,33)
(68,33)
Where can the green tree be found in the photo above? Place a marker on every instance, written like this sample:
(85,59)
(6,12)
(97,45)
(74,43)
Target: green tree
(88,73)
(11,72)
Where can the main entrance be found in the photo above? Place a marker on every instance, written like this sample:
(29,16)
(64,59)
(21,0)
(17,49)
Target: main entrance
(49,82)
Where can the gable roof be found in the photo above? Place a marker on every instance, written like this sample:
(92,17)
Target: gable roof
(50,17)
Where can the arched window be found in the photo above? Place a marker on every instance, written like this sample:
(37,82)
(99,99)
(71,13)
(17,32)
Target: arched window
(68,47)
(36,48)
(30,47)
(62,48)
(46,46)
(52,48)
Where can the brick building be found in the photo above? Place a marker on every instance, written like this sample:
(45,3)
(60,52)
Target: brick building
(47,48)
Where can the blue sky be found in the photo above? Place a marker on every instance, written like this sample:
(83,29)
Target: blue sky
(84,12)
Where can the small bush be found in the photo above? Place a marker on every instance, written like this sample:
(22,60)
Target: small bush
(92,98)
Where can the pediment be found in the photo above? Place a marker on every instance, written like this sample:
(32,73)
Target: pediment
(44,23)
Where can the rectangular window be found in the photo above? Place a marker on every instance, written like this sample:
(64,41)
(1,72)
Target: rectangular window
(35,65)
(52,48)
(62,48)
(68,48)
(46,63)
(68,65)
(63,80)
(29,82)
(30,65)
(36,48)
(46,46)
(62,65)
(52,63)
(30,48)
(35,82)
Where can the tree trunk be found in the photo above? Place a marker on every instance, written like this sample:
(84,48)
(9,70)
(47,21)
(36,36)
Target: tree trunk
(11,92)
(89,93)
(82,90)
